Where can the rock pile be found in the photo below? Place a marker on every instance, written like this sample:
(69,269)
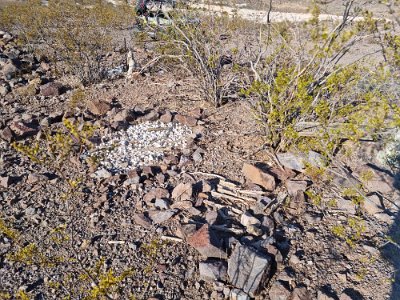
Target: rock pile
(147,179)
(240,234)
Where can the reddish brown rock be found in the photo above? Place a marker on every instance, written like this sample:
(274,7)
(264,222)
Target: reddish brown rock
(51,89)
(186,120)
(141,220)
(259,177)
(7,135)
(182,192)
(166,117)
(98,108)
(279,292)
(204,241)
(156,193)
(282,174)
(22,130)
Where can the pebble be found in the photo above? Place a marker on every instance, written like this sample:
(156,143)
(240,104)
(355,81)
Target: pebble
(161,204)
(139,145)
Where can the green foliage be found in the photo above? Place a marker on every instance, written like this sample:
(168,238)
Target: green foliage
(84,279)
(7,231)
(151,251)
(351,232)
(5,295)
(57,148)
(305,98)
(77,35)
(21,295)
(78,97)
(28,255)
(108,282)
(104,282)
(353,195)
(315,198)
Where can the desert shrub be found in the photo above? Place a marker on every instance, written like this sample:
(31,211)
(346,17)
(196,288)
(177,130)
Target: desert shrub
(307,96)
(56,148)
(391,38)
(76,35)
(207,47)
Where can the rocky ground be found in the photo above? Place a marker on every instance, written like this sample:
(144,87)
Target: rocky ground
(214,217)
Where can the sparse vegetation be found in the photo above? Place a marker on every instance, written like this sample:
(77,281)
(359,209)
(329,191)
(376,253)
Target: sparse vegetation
(76,36)
(351,232)
(303,84)
(307,98)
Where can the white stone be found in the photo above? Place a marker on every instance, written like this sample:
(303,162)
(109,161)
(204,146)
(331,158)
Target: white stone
(139,145)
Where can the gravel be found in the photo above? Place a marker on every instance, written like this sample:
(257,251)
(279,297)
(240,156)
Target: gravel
(141,144)
(390,156)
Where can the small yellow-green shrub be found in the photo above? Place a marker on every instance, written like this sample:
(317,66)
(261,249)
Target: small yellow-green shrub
(306,96)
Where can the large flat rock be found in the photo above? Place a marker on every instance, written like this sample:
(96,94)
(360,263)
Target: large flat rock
(248,270)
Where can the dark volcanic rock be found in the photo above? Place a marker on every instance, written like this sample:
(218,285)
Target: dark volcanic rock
(248,270)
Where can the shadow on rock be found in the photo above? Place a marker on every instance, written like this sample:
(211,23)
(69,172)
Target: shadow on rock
(391,251)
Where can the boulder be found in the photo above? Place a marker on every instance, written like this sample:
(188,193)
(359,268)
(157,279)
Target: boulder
(182,192)
(279,292)
(166,117)
(124,116)
(159,217)
(213,270)
(291,161)
(51,89)
(258,176)
(300,293)
(206,243)
(9,71)
(248,270)
(98,108)
(294,186)
(186,120)
(22,129)
(7,135)
(237,294)
(141,220)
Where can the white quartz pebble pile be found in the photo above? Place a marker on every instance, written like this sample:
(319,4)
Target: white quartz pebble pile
(140,144)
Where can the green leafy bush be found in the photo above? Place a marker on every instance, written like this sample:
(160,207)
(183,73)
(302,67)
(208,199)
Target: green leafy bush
(308,97)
